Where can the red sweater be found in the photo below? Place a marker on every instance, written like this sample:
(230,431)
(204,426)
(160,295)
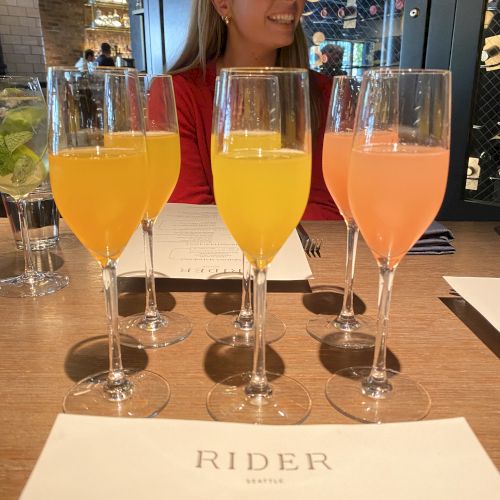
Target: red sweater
(194,99)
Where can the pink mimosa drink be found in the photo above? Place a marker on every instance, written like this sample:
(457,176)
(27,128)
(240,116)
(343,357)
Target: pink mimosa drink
(395,192)
(336,156)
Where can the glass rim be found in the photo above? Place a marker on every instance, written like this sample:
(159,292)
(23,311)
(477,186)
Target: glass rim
(107,70)
(406,71)
(154,75)
(20,78)
(358,78)
(262,70)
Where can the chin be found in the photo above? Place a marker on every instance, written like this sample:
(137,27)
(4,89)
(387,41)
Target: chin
(283,42)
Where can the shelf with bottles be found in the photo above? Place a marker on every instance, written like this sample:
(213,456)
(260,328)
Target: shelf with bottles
(483,167)
(337,12)
(107,16)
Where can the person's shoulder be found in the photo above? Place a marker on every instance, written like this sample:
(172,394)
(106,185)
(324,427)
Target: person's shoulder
(80,64)
(190,77)
(195,87)
(197,75)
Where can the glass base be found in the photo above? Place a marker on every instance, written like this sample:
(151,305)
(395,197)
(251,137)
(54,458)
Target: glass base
(224,330)
(32,286)
(289,402)
(167,329)
(407,401)
(353,334)
(149,394)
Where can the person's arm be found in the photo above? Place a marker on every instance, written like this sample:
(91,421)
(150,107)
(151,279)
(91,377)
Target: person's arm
(193,185)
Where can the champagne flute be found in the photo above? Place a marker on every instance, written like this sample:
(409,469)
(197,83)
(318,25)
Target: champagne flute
(23,167)
(98,159)
(262,178)
(235,328)
(153,329)
(346,330)
(397,180)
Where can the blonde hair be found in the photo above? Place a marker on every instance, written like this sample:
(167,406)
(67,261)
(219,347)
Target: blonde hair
(207,38)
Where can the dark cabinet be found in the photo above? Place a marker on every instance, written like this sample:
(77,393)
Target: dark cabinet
(158,30)
(471,30)
(137,36)
(146,26)
(460,35)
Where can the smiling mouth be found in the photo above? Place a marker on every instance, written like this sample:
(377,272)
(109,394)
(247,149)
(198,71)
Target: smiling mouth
(282,18)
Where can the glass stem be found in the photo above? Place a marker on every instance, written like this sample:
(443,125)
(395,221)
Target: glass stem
(377,385)
(151,312)
(346,317)
(29,268)
(117,387)
(258,387)
(245,318)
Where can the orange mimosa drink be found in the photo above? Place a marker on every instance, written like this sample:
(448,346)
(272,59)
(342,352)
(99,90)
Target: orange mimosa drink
(126,140)
(261,196)
(395,191)
(101,194)
(164,158)
(164,162)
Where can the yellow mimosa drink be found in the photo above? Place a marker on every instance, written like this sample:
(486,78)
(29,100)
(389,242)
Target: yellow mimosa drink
(261,196)
(336,156)
(395,192)
(164,161)
(101,194)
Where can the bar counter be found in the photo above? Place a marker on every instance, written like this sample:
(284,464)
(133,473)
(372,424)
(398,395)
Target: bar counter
(48,343)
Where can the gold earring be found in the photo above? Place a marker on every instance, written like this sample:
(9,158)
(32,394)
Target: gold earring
(226,19)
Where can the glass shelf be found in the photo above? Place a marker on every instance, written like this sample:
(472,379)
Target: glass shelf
(107,28)
(108,5)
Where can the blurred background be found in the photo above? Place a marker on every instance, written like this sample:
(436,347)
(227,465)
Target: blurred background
(343,37)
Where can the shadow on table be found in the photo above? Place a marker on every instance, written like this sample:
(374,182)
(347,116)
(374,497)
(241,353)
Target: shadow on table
(91,356)
(136,283)
(134,303)
(229,299)
(327,299)
(223,361)
(12,263)
(336,359)
(220,302)
(475,321)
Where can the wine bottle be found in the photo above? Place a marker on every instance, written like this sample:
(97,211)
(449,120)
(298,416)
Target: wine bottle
(489,175)
(488,53)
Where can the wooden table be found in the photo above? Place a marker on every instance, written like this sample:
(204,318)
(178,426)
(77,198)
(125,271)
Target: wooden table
(47,344)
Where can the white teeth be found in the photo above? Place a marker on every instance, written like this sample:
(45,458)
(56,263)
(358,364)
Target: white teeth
(282,18)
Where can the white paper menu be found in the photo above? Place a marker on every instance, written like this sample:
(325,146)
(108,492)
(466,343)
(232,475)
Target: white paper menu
(481,293)
(111,458)
(191,241)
